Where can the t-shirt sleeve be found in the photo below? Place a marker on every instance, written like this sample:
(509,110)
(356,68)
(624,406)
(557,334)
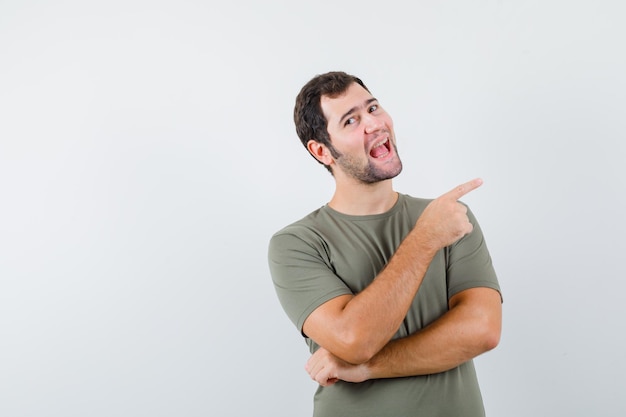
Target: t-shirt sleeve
(469,262)
(302,273)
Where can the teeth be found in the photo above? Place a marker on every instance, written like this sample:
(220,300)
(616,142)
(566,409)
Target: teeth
(380,144)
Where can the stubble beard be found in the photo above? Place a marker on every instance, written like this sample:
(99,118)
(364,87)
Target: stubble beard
(368,173)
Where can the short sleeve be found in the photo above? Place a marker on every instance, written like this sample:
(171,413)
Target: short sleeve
(302,273)
(469,262)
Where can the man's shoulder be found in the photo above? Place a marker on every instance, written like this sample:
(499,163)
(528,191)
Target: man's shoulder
(414,202)
(307,224)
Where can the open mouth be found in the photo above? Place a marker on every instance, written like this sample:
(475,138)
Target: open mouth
(381,149)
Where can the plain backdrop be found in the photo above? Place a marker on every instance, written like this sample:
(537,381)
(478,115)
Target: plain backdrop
(148,153)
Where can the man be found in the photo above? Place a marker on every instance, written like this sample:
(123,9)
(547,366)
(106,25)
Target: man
(394,295)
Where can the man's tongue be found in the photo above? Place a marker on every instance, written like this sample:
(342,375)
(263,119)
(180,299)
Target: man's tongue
(379,151)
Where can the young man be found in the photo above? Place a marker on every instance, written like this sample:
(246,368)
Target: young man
(395,295)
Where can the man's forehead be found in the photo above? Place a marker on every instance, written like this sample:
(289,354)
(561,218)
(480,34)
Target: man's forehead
(336,106)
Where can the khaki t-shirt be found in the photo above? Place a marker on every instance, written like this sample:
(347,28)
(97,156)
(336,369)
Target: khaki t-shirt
(327,254)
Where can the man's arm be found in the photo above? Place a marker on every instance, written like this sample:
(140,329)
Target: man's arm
(355,328)
(471,327)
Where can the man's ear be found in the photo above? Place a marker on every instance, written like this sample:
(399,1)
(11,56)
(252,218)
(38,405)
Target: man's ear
(320,152)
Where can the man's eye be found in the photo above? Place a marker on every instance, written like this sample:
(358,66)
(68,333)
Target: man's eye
(349,121)
(373,108)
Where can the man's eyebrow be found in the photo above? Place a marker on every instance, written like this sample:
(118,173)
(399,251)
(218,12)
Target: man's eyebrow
(355,108)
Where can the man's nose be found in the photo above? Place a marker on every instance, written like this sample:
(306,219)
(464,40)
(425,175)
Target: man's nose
(372,123)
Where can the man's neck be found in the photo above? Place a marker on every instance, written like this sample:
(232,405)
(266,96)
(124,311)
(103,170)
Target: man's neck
(363,199)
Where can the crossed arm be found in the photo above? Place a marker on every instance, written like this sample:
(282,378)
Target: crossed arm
(355,331)
(356,327)
(471,327)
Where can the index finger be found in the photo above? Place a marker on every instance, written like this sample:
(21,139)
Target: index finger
(461,190)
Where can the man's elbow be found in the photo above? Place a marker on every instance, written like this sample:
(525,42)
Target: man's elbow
(491,340)
(359,356)
(357,349)
(488,325)
(490,335)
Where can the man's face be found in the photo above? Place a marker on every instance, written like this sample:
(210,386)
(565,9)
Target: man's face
(362,136)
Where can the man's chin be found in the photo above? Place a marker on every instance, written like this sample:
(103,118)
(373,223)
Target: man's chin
(376,176)
(393,171)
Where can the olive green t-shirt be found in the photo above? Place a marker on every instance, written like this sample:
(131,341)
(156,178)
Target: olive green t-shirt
(327,254)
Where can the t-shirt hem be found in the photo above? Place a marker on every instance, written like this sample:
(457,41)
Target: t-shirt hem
(318,302)
(475,284)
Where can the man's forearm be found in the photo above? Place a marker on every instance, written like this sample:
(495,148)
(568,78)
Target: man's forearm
(470,328)
(357,327)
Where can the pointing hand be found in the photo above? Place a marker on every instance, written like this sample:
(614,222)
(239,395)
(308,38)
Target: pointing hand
(444,221)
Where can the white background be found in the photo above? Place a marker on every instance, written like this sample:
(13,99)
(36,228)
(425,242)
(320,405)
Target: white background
(147,154)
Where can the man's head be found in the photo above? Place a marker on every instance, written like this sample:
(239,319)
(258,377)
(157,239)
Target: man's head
(342,125)
(311,124)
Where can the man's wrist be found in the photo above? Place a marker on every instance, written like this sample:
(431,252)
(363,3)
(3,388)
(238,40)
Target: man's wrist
(368,369)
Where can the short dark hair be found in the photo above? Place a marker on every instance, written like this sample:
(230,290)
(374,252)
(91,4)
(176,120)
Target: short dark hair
(307,114)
